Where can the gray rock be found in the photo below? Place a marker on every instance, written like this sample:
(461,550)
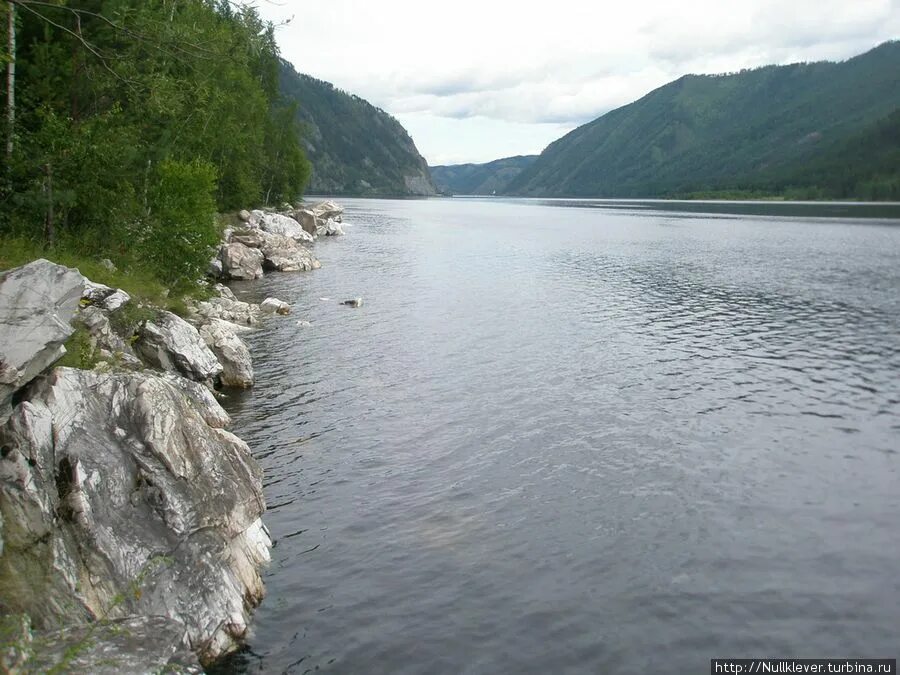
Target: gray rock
(286,255)
(241,262)
(108,264)
(132,646)
(331,228)
(37,303)
(171,343)
(308,221)
(275,223)
(227,309)
(275,306)
(231,351)
(104,297)
(215,269)
(120,499)
(326,210)
(244,216)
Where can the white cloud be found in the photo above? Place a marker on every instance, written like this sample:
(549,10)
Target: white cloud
(460,69)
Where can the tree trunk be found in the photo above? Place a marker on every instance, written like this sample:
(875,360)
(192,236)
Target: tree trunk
(10,83)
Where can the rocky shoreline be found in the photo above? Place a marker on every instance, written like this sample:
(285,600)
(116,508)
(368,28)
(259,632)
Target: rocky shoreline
(131,532)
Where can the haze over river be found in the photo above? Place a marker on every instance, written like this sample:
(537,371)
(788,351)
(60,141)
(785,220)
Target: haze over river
(580,437)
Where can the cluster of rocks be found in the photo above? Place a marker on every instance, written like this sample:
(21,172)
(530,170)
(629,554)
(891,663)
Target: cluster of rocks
(275,241)
(131,537)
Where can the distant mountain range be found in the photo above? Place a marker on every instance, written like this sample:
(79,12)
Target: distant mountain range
(807,130)
(480,179)
(354,147)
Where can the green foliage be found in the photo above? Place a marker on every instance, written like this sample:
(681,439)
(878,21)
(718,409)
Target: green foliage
(136,120)
(818,129)
(80,351)
(179,236)
(354,147)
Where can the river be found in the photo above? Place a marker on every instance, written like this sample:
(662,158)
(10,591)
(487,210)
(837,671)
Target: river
(580,437)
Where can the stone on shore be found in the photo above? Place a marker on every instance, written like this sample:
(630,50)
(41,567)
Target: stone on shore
(228,308)
(121,499)
(240,261)
(232,352)
(171,343)
(244,216)
(329,209)
(132,646)
(275,223)
(308,221)
(331,228)
(37,303)
(275,306)
(104,297)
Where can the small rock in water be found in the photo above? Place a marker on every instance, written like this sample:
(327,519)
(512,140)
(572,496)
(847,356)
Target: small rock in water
(275,306)
(355,302)
(304,324)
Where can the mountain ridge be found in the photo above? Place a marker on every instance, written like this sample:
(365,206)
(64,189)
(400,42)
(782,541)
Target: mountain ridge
(755,129)
(355,147)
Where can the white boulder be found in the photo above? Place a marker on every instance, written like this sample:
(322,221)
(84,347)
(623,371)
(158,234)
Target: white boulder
(171,343)
(232,352)
(37,304)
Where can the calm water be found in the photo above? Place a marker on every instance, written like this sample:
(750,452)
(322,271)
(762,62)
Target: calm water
(558,438)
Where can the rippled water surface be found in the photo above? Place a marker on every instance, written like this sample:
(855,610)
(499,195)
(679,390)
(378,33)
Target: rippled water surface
(558,438)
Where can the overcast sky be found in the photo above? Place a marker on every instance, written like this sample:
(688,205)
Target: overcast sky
(476,80)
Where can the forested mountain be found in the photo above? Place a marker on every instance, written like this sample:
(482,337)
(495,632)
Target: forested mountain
(781,129)
(131,122)
(480,179)
(355,148)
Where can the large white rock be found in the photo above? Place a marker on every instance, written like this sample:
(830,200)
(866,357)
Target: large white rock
(171,343)
(37,303)
(275,223)
(280,253)
(232,352)
(241,262)
(122,496)
(228,309)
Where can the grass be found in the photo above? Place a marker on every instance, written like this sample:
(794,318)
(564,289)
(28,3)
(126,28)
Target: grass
(141,284)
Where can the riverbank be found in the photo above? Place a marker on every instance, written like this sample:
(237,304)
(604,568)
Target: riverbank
(132,537)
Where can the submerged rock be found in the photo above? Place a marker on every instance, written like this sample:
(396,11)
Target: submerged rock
(37,303)
(240,261)
(237,366)
(122,495)
(171,343)
(354,302)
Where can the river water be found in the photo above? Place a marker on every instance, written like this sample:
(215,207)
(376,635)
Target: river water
(580,437)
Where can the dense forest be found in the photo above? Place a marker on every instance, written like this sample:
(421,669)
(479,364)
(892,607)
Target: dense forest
(810,130)
(130,123)
(480,179)
(355,148)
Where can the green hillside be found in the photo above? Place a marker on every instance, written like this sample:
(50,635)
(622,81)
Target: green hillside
(772,128)
(355,148)
(480,179)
